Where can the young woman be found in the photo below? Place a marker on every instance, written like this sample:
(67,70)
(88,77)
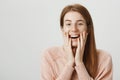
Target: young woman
(78,58)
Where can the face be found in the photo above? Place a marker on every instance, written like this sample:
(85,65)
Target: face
(73,25)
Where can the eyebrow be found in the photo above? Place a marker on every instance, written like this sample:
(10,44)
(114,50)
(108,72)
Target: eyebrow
(76,20)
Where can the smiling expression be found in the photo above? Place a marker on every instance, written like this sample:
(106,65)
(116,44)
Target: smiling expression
(74,24)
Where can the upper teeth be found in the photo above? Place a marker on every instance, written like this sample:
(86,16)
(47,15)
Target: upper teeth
(74,35)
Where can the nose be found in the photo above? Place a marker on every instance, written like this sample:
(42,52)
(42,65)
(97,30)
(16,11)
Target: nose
(74,28)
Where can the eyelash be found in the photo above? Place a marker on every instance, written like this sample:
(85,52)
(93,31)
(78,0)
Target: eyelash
(68,24)
(80,24)
(77,24)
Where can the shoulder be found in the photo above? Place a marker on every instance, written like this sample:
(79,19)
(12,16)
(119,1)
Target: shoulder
(52,52)
(103,54)
(104,58)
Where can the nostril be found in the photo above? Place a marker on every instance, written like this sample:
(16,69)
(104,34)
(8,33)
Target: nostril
(74,29)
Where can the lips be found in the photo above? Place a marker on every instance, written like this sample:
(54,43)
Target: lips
(74,36)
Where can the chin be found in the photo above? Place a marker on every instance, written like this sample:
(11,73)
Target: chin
(74,44)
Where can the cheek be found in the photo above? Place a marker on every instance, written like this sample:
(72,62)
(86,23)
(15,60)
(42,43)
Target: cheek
(66,29)
(84,28)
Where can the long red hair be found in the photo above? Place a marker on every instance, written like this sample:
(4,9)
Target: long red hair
(90,54)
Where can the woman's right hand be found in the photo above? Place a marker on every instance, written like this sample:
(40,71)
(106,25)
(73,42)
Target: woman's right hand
(68,50)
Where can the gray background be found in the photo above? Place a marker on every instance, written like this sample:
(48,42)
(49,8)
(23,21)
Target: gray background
(27,27)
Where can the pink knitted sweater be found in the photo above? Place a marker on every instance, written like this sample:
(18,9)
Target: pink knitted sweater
(54,66)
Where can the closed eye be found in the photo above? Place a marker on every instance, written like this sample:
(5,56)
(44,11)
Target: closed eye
(68,24)
(80,24)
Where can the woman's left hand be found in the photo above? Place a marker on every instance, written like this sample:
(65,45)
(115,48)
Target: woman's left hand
(80,48)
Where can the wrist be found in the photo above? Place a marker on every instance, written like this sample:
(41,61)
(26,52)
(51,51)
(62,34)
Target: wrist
(71,63)
(78,62)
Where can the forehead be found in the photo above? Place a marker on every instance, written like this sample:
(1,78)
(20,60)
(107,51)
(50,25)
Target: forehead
(73,16)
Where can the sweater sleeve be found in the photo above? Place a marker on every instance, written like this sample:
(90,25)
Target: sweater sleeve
(104,71)
(47,71)
(66,74)
(82,72)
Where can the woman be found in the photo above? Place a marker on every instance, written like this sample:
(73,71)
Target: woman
(78,58)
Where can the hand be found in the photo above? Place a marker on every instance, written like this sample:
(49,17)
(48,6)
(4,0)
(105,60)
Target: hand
(80,48)
(68,49)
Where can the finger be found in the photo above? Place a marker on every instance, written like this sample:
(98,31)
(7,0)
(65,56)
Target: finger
(70,42)
(78,48)
(67,38)
(81,39)
(78,40)
(84,35)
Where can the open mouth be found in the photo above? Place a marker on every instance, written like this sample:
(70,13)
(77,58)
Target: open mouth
(74,36)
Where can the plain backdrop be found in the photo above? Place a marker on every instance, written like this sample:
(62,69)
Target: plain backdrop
(27,27)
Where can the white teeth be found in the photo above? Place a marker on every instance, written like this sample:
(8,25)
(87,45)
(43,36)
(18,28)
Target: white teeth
(74,35)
